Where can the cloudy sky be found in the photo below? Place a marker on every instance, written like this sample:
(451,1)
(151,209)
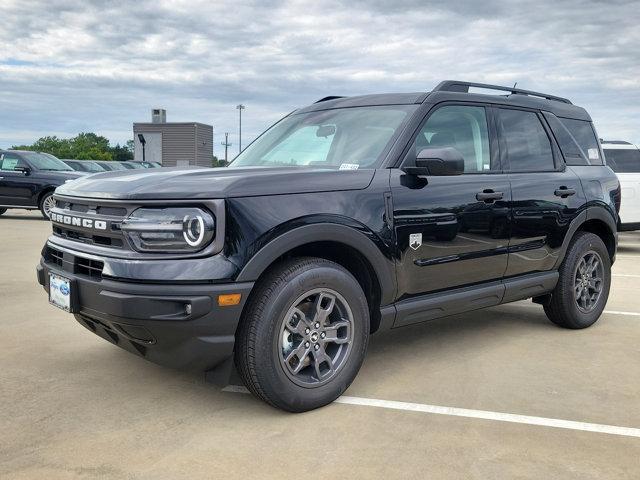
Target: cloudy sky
(70,66)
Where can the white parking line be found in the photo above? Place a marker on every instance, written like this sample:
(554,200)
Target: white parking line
(612,312)
(624,275)
(480,414)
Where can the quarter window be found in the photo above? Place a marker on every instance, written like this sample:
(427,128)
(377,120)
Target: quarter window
(585,137)
(528,146)
(461,127)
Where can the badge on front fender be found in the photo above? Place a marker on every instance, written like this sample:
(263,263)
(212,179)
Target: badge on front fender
(415,240)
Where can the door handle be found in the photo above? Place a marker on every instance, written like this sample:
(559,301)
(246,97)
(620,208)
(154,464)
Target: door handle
(489,196)
(564,192)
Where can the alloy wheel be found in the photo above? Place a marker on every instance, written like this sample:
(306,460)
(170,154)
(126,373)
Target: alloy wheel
(588,281)
(48,204)
(316,336)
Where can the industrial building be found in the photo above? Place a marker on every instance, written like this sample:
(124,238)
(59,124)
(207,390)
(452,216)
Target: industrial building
(173,144)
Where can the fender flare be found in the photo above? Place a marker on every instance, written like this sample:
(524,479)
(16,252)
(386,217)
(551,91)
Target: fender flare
(324,232)
(591,213)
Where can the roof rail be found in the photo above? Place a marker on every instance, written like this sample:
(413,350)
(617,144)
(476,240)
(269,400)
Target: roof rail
(457,86)
(330,97)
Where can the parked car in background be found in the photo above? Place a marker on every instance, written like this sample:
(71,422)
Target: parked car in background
(110,166)
(28,179)
(150,164)
(131,165)
(87,166)
(624,159)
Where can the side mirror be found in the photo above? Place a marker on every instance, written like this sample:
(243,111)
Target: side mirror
(25,170)
(437,162)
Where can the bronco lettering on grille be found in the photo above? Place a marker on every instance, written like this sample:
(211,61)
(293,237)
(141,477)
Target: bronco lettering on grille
(78,221)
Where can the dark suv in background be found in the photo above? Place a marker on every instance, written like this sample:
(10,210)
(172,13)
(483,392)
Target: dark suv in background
(348,217)
(28,179)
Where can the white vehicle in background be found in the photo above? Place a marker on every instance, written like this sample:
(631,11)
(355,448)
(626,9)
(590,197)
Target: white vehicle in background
(624,159)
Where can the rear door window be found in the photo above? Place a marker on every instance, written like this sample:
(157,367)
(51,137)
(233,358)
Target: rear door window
(527,143)
(623,161)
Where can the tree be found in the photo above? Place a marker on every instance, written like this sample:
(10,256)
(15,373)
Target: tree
(84,146)
(216,162)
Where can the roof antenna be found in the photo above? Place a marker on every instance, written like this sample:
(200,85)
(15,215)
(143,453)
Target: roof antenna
(514,85)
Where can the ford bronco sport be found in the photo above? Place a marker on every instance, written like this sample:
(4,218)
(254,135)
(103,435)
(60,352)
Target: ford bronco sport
(348,217)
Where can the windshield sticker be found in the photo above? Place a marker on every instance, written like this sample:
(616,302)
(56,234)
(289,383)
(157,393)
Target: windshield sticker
(593,154)
(349,166)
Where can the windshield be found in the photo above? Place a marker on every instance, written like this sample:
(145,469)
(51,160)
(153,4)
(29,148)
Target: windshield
(344,138)
(111,166)
(92,166)
(45,161)
(623,161)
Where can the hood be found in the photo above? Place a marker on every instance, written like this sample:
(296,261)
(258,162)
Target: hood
(181,183)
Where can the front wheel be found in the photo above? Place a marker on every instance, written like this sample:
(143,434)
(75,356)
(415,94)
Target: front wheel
(583,287)
(304,334)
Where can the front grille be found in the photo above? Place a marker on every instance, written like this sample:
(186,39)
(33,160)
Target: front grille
(71,210)
(88,238)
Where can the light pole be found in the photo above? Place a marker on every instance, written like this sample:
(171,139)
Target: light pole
(143,142)
(240,108)
(226,145)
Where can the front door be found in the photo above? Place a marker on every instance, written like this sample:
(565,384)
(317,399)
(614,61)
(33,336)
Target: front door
(452,231)
(15,186)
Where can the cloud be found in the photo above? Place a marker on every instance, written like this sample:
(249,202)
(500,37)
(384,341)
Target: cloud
(69,66)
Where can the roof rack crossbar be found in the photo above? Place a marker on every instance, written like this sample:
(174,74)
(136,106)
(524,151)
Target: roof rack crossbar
(457,86)
(330,97)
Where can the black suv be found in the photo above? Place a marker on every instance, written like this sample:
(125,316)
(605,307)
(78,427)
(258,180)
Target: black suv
(348,217)
(28,179)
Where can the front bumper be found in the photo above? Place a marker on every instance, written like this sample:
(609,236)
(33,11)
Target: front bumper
(177,325)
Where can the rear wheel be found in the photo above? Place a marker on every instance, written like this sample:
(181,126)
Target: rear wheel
(583,287)
(304,335)
(46,205)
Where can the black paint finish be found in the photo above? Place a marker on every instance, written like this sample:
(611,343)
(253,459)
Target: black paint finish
(431,246)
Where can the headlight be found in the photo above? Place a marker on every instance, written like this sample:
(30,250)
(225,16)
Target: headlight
(169,230)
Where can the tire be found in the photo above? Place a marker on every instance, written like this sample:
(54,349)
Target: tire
(279,320)
(564,308)
(2,210)
(45,205)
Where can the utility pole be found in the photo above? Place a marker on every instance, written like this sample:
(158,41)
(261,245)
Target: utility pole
(226,145)
(240,108)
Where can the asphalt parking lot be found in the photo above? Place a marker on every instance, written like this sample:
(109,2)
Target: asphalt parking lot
(74,406)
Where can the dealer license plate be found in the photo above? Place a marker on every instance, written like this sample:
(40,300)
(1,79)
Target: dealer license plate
(60,292)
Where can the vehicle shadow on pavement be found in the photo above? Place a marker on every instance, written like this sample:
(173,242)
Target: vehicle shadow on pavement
(626,249)
(442,340)
(39,218)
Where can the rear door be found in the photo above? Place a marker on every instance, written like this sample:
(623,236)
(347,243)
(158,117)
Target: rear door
(546,195)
